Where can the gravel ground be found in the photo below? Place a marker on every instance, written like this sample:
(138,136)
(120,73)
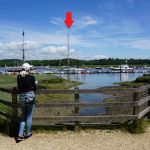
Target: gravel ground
(84,140)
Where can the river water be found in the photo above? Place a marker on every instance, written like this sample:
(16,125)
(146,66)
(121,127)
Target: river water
(92,81)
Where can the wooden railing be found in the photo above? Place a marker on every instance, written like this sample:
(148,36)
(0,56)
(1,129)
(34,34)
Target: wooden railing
(77,118)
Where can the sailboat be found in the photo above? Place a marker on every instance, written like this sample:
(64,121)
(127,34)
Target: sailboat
(17,68)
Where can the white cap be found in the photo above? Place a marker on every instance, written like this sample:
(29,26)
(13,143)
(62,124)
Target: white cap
(26,66)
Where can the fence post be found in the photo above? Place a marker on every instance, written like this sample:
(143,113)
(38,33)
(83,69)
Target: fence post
(13,128)
(76,110)
(148,114)
(136,109)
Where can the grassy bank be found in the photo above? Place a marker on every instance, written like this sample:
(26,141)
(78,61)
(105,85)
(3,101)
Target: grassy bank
(140,81)
(51,81)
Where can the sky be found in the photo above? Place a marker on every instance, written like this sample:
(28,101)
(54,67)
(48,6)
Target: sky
(101,29)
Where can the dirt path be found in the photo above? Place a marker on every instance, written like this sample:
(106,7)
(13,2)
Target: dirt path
(84,140)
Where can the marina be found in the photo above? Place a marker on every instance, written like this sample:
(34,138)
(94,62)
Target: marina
(75,70)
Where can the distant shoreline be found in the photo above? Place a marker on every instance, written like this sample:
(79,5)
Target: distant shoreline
(76,62)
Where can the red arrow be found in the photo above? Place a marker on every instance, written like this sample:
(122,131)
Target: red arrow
(68,20)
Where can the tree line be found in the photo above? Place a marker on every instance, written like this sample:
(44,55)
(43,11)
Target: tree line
(76,62)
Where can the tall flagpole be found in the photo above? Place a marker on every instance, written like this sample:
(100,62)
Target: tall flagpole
(68,48)
(23,52)
(68,21)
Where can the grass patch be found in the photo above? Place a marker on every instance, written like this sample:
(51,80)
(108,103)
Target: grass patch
(108,100)
(53,129)
(146,74)
(8,81)
(132,84)
(139,126)
(145,79)
(55,80)
(3,125)
(140,81)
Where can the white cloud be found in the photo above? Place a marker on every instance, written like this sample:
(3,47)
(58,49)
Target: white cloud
(85,21)
(18,45)
(14,49)
(141,44)
(89,21)
(99,56)
(9,46)
(57,21)
(58,50)
(10,32)
(31,45)
(34,42)
(79,22)
(123,27)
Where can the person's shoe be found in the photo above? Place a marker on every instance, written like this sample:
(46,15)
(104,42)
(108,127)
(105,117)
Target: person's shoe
(28,136)
(19,139)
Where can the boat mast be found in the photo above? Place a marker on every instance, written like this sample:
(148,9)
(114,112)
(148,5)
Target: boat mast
(23,52)
(68,59)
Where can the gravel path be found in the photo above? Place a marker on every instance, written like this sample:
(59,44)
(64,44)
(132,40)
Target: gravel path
(84,140)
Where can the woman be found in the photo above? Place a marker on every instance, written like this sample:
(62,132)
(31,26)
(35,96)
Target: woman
(26,87)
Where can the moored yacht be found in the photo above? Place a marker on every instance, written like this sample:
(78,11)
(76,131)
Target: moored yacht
(73,70)
(122,68)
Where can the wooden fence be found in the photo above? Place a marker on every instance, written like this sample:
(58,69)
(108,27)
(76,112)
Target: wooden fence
(77,118)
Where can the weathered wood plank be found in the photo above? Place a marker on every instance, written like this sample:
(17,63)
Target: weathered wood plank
(144,100)
(148,114)
(135,99)
(80,91)
(76,109)
(90,91)
(144,112)
(108,118)
(14,102)
(14,124)
(6,103)
(5,90)
(6,115)
(136,108)
(143,88)
(46,91)
(76,100)
(81,104)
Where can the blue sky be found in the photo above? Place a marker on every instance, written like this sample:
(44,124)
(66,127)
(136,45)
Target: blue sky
(101,29)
